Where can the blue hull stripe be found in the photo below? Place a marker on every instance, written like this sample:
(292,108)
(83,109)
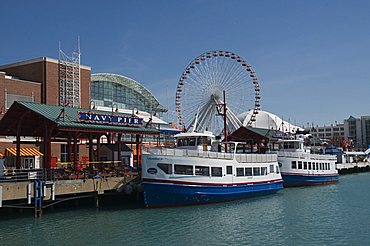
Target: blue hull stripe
(161,194)
(302,180)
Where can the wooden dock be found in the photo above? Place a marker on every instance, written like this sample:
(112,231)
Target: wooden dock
(21,194)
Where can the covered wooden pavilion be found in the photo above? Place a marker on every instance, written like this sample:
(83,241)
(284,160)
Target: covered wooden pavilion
(51,123)
(259,137)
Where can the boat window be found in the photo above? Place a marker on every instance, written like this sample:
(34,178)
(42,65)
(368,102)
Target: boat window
(317,166)
(256,171)
(309,166)
(289,145)
(271,168)
(299,165)
(277,169)
(184,169)
(204,140)
(229,170)
(305,165)
(241,148)
(248,171)
(321,166)
(216,171)
(329,166)
(294,165)
(230,147)
(180,142)
(263,170)
(166,168)
(192,141)
(239,171)
(313,166)
(201,171)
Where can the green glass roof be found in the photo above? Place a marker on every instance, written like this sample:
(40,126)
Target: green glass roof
(132,84)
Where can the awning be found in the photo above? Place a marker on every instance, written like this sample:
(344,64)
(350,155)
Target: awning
(23,151)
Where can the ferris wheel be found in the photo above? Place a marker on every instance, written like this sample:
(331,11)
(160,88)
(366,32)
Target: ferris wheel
(199,92)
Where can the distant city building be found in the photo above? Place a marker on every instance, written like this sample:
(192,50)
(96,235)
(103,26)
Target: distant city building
(330,134)
(358,130)
(354,130)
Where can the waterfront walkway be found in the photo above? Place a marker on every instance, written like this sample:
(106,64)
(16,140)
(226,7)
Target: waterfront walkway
(354,167)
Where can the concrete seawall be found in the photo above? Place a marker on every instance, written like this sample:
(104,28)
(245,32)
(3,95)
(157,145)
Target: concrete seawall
(20,190)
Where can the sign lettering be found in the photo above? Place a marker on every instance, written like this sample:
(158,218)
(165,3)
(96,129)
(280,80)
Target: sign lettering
(112,119)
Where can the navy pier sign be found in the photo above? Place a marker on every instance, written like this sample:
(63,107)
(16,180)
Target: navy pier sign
(107,118)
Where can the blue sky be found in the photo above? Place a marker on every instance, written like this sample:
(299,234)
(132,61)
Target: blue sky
(312,58)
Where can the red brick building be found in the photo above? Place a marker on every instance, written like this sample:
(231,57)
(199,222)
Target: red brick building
(37,80)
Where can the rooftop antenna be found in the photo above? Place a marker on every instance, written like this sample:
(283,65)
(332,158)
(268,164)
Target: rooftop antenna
(70,77)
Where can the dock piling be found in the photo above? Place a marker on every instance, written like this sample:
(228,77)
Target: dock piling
(1,196)
(38,195)
(29,193)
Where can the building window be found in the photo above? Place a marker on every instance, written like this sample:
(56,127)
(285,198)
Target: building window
(63,153)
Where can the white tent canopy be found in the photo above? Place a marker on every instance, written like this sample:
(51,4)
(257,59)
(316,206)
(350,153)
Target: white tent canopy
(268,120)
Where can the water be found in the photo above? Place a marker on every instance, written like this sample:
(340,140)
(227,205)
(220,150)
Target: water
(324,215)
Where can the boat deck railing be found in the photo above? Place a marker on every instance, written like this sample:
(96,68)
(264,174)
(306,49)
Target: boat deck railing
(302,155)
(241,158)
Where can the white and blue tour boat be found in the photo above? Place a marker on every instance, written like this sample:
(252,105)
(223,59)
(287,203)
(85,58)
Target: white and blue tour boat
(199,171)
(299,167)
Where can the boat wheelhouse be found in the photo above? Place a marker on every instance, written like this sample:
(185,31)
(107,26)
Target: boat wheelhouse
(300,168)
(200,170)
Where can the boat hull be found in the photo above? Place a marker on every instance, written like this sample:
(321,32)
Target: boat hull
(293,179)
(157,194)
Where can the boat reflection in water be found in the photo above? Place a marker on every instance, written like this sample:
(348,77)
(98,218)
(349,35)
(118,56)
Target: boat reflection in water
(201,170)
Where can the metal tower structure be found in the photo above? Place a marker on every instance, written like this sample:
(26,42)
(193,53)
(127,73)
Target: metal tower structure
(70,78)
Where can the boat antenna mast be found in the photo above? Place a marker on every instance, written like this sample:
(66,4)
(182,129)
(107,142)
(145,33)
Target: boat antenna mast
(223,113)
(196,121)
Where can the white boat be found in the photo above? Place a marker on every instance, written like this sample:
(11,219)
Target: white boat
(197,171)
(300,168)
